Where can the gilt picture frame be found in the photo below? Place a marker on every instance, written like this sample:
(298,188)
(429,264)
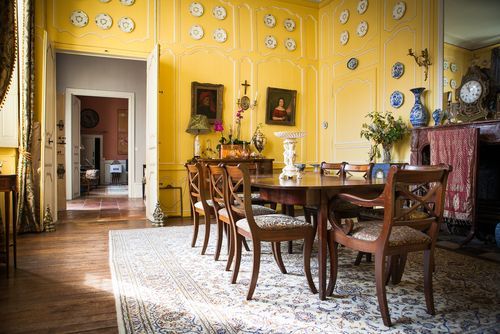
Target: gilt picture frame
(281,106)
(206,99)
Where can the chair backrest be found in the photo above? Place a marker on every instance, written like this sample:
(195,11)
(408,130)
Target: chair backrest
(401,201)
(331,168)
(197,184)
(238,184)
(363,169)
(217,185)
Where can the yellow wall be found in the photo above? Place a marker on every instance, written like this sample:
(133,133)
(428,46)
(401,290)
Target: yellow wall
(327,91)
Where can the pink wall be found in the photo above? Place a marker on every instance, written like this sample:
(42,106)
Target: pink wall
(107,108)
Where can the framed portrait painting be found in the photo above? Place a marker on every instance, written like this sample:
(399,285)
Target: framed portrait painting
(280,106)
(206,99)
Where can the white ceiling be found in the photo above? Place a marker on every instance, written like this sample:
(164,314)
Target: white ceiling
(472,24)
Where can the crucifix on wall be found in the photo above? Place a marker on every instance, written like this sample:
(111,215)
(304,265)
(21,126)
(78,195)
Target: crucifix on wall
(246,85)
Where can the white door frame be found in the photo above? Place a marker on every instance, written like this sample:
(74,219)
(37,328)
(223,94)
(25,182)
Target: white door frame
(101,160)
(131,133)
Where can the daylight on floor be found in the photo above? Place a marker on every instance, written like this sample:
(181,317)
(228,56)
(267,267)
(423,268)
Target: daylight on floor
(250,166)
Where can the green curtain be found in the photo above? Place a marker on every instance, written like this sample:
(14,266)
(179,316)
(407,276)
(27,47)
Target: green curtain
(28,219)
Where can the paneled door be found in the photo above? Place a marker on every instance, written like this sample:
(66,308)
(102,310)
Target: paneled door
(152,133)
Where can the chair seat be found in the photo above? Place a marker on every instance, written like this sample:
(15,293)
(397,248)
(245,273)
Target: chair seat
(258,210)
(400,235)
(198,204)
(273,222)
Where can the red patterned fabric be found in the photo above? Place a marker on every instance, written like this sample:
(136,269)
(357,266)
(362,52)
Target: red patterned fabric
(457,147)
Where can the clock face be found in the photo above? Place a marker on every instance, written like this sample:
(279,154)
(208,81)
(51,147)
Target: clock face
(471,91)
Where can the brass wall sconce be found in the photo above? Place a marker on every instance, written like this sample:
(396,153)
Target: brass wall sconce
(422,60)
(60,125)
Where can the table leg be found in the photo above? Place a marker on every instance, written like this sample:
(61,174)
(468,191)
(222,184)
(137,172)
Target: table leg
(322,237)
(7,232)
(14,225)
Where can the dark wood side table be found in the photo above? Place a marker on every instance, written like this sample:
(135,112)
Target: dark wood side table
(8,185)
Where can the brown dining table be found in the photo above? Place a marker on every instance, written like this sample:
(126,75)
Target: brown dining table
(316,190)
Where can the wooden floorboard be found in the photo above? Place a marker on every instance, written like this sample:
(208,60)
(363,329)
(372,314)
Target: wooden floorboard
(62,283)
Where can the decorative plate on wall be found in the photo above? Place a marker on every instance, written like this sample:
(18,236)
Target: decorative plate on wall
(362,6)
(397,98)
(126,24)
(269,20)
(89,118)
(196,32)
(220,35)
(79,18)
(352,63)
(398,11)
(446,65)
(270,42)
(104,1)
(344,16)
(398,69)
(362,28)
(453,67)
(453,84)
(344,37)
(445,82)
(196,9)
(103,21)
(219,12)
(127,2)
(289,24)
(290,44)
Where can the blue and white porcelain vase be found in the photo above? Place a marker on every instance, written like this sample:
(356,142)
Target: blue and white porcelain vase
(436,116)
(418,114)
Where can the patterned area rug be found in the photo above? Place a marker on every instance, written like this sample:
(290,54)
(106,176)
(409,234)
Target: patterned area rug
(162,285)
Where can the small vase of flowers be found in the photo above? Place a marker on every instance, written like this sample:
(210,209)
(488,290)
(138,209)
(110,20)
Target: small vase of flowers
(383,130)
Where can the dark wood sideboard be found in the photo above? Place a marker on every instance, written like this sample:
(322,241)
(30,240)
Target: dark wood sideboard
(487,167)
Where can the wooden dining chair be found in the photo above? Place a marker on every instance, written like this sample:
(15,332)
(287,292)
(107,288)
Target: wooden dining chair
(274,228)
(201,204)
(399,232)
(218,189)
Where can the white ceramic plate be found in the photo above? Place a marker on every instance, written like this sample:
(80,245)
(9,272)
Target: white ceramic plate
(397,98)
(362,6)
(220,35)
(398,11)
(126,24)
(344,16)
(453,67)
(103,21)
(446,65)
(127,2)
(362,28)
(270,42)
(196,9)
(453,84)
(344,37)
(269,20)
(219,12)
(445,81)
(289,25)
(352,63)
(398,69)
(196,32)
(79,18)
(290,44)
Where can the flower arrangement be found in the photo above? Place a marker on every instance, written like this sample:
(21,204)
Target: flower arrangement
(383,130)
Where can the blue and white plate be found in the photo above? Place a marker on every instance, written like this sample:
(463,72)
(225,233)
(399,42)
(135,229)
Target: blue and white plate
(352,63)
(397,98)
(398,69)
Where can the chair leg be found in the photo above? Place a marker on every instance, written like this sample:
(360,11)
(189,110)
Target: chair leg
(334,261)
(359,257)
(207,233)
(255,269)
(380,283)
(196,225)
(428,267)
(227,228)
(231,248)
(220,236)
(308,243)
(237,260)
(290,247)
(276,248)
(245,244)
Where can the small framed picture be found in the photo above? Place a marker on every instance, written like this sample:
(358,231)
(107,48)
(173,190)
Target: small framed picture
(206,99)
(280,107)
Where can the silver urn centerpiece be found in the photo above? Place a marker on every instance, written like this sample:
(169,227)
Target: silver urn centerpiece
(259,140)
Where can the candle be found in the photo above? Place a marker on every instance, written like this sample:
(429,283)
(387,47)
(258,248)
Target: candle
(256,94)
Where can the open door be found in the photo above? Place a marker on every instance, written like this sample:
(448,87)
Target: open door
(48,177)
(152,132)
(73,150)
